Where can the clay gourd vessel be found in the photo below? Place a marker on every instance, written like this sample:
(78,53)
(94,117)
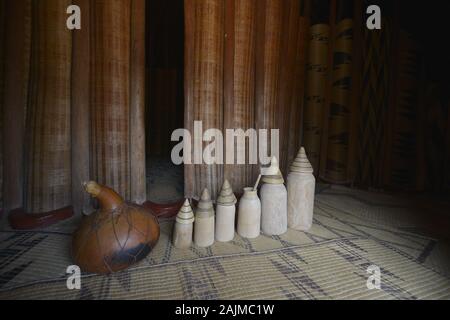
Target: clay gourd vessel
(117,236)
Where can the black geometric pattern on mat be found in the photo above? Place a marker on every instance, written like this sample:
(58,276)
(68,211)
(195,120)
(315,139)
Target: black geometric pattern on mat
(10,275)
(346,250)
(167,252)
(283,242)
(315,238)
(243,243)
(21,243)
(387,244)
(124,278)
(334,230)
(426,251)
(87,292)
(198,287)
(298,277)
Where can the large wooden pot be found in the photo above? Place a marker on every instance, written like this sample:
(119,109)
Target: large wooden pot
(116,237)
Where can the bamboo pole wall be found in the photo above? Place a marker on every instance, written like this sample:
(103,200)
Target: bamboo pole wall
(251,48)
(316,80)
(262,85)
(340,105)
(240,80)
(48,112)
(110,94)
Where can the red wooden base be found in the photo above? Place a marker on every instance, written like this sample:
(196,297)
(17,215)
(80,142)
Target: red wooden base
(168,210)
(20,220)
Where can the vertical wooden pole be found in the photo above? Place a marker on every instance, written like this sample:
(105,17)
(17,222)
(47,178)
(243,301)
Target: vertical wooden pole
(316,83)
(268,64)
(375,88)
(288,59)
(80,110)
(328,90)
(48,185)
(110,93)
(2,81)
(228,84)
(403,146)
(189,20)
(207,87)
(390,116)
(15,98)
(137,103)
(355,90)
(296,113)
(259,69)
(447,154)
(421,116)
(239,81)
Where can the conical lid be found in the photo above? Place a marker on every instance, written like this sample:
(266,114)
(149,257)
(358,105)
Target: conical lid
(205,204)
(301,163)
(226,196)
(185,215)
(272,174)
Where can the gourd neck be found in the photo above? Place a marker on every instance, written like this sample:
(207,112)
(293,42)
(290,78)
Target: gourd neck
(108,198)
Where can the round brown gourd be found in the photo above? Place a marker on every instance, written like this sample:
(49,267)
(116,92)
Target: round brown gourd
(117,236)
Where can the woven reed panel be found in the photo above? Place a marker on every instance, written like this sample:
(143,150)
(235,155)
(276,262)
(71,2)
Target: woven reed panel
(204,78)
(316,81)
(48,184)
(110,99)
(376,50)
(340,105)
(404,143)
(2,81)
(268,64)
(240,83)
(288,68)
(17,53)
(447,153)
(296,110)
(436,149)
